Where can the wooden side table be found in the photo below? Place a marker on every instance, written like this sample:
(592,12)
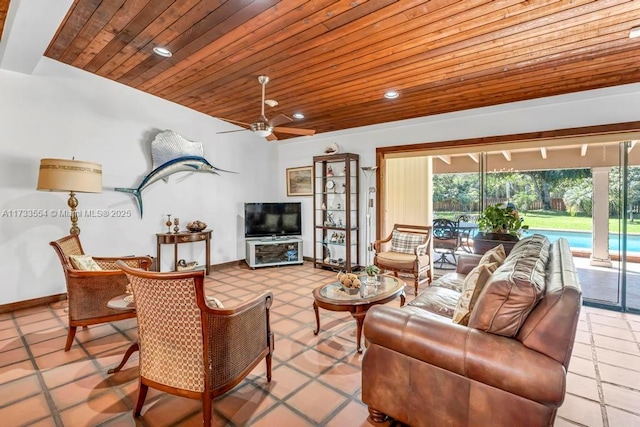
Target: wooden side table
(184,237)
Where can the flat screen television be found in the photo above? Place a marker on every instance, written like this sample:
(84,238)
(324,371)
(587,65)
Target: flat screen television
(272,219)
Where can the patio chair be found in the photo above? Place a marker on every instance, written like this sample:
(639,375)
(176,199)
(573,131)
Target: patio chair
(409,253)
(446,240)
(88,291)
(191,347)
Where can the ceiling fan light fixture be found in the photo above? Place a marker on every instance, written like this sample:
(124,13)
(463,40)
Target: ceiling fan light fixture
(261,129)
(635,32)
(298,116)
(391,94)
(162,51)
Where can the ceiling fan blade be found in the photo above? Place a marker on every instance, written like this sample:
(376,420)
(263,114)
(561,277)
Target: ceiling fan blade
(230,131)
(234,121)
(294,131)
(271,137)
(279,119)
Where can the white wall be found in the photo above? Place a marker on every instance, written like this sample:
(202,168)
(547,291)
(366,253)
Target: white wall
(62,112)
(597,107)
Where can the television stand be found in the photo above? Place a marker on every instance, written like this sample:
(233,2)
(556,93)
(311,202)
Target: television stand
(273,251)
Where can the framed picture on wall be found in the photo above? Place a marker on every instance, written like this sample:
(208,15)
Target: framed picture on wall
(299,181)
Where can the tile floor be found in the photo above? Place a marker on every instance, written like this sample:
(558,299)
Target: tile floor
(316,379)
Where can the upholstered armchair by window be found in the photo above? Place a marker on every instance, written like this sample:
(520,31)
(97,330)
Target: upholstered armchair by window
(190,346)
(91,283)
(408,252)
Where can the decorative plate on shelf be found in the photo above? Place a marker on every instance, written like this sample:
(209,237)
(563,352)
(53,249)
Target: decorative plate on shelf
(331,148)
(330,185)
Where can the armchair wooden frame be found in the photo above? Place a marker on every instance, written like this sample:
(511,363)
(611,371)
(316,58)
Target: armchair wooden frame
(89,291)
(417,264)
(214,348)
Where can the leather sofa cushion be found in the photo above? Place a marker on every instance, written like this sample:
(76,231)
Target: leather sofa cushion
(438,300)
(514,289)
(453,281)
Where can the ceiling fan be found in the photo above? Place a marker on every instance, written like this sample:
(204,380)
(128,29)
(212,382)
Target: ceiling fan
(265,128)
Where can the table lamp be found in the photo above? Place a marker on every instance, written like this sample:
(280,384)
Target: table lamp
(73,176)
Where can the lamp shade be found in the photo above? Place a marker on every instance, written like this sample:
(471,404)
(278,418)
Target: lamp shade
(70,175)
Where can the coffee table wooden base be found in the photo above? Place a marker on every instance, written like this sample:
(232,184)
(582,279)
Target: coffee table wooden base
(358,312)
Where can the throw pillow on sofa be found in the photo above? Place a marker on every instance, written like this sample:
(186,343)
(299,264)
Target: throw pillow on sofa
(514,289)
(496,254)
(473,285)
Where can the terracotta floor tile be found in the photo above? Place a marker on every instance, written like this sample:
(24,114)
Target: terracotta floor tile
(107,343)
(244,404)
(285,349)
(94,332)
(7,333)
(286,326)
(616,344)
(621,397)
(620,376)
(615,322)
(580,410)
(354,414)
(25,411)
(618,359)
(281,416)
(46,422)
(584,367)
(344,377)
(63,374)
(609,331)
(59,358)
(95,411)
(45,335)
(40,326)
(10,344)
(35,317)
(336,347)
(17,370)
(6,323)
(312,362)
(167,410)
(306,401)
(77,391)
(284,381)
(13,356)
(582,386)
(618,417)
(48,346)
(19,389)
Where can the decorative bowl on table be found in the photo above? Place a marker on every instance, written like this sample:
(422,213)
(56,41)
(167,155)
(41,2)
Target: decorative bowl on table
(196,226)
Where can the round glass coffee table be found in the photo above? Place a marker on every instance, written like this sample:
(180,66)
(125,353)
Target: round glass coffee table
(333,297)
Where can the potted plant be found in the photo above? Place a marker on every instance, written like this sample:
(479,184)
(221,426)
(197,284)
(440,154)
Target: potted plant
(498,224)
(372,271)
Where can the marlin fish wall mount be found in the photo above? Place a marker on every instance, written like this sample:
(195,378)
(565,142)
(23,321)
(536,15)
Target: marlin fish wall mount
(172,153)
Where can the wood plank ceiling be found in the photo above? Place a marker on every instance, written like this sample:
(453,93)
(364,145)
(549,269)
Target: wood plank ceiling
(333,60)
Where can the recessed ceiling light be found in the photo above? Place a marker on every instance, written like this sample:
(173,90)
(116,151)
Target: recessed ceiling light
(298,116)
(635,32)
(391,94)
(162,51)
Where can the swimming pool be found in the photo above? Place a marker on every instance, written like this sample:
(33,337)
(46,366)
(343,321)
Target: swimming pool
(584,239)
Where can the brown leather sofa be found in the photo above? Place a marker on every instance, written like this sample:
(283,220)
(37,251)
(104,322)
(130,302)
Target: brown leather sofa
(508,367)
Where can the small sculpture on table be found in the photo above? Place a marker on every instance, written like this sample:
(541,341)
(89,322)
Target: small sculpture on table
(168,223)
(176,222)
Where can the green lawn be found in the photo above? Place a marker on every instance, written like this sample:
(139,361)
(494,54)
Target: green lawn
(553,220)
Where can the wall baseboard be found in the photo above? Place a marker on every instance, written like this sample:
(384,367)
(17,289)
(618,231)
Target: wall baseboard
(21,305)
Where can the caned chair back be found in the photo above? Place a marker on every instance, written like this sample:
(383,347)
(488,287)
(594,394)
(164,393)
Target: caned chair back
(170,330)
(66,246)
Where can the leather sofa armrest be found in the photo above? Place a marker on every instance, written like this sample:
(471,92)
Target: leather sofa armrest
(467,262)
(498,361)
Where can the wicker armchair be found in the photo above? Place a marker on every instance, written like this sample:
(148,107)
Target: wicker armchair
(89,291)
(189,348)
(409,252)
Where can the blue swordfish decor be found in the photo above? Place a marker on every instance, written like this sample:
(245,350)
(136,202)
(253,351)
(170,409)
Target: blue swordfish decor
(172,153)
